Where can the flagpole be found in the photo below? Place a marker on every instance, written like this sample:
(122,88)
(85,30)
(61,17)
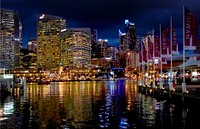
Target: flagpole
(183,83)
(142,65)
(171,79)
(138,77)
(147,60)
(142,62)
(140,71)
(161,85)
(153,59)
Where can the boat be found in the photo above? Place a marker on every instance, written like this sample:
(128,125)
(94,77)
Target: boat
(44,82)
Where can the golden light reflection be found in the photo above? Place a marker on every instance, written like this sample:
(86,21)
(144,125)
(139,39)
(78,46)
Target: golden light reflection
(72,98)
(131,95)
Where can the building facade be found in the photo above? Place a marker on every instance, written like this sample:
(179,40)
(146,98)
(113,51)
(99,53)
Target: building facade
(95,50)
(128,47)
(10,38)
(111,52)
(102,44)
(48,38)
(131,38)
(76,47)
(32,45)
(122,42)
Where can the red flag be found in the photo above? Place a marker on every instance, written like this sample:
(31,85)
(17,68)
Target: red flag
(164,60)
(150,47)
(165,43)
(157,47)
(174,42)
(190,30)
(144,52)
(140,56)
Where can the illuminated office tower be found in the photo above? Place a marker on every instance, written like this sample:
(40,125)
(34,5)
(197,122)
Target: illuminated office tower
(95,50)
(128,40)
(31,57)
(32,45)
(102,45)
(10,38)
(122,42)
(131,37)
(128,46)
(48,35)
(111,52)
(76,47)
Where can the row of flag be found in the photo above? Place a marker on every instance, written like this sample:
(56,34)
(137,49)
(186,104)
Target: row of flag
(159,47)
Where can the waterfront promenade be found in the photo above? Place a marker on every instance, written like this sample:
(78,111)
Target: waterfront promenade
(192,96)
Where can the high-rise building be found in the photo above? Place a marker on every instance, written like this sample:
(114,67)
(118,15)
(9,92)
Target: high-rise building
(32,45)
(48,36)
(122,42)
(129,47)
(128,40)
(95,50)
(76,47)
(102,44)
(131,37)
(31,58)
(10,38)
(111,52)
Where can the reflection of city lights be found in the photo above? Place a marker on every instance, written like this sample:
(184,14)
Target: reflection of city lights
(1,112)
(8,108)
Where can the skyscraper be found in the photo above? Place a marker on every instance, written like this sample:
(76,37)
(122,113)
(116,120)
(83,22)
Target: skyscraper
(131,37)
(129,47)
(95,50)
(122,42)
(10,38)
(48,35)
(102,44)
(76,47)
(32,45)
(111,52)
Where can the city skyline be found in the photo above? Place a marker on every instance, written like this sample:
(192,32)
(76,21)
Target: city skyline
(105,16)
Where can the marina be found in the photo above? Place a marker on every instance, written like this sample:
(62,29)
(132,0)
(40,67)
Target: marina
(96,104)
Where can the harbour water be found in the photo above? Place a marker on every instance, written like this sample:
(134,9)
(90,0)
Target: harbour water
(93,105)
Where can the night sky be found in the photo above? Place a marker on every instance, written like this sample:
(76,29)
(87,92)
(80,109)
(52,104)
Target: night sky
(107,16)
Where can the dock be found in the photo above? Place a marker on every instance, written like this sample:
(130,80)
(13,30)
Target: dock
(192,96)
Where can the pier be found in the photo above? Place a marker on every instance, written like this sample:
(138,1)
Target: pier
(192,96)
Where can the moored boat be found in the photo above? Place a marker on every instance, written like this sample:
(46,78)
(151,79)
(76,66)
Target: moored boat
(44,82)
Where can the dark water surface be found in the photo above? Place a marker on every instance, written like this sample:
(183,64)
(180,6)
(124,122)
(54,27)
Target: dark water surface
(93,105)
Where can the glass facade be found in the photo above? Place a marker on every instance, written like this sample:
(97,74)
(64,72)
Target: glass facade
(131,37)
(10,38)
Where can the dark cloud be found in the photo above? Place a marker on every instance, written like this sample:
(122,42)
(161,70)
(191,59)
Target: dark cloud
(105,15)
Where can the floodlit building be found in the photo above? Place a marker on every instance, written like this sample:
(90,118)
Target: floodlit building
(10,38)
(76,47)
(48,37)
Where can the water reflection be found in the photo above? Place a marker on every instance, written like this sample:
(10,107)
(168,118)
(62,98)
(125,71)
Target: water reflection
(91,105)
